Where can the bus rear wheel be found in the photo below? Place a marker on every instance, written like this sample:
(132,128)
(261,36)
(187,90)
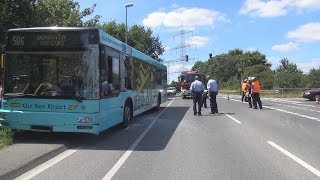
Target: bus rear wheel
(127,115)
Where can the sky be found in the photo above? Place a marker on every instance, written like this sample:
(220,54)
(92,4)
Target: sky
(277,28)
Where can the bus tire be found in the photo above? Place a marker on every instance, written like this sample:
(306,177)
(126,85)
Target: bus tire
(127,115)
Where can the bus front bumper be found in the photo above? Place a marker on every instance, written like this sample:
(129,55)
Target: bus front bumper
(50,122)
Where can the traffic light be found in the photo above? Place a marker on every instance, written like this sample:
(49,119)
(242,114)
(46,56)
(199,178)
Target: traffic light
(187,58)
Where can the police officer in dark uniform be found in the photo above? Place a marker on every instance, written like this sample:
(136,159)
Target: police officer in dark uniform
(197,89)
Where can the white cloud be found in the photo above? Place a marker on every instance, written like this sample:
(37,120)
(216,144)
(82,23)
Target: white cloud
(306,3)
(290,46)
(306,66)
(199,41)
(306,33)
(178,67)
(189,17)
(257,8)
(275,8)
(275,61)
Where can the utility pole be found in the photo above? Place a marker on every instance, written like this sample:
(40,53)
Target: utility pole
(182,47)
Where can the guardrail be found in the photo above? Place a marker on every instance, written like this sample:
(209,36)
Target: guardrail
(277,92)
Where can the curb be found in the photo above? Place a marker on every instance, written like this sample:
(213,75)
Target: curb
(32,164)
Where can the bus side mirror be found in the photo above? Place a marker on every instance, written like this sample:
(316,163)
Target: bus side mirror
(179,78)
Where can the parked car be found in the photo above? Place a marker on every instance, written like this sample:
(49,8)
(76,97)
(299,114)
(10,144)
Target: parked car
(311,94)
(171,91)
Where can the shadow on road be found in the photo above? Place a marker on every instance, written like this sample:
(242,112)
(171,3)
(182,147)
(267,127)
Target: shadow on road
(116,138)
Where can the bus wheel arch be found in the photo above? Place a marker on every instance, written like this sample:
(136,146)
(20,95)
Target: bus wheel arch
(127,113)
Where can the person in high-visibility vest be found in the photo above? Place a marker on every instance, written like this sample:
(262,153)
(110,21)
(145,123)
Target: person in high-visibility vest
(255,86)
(248,92)
(243,88)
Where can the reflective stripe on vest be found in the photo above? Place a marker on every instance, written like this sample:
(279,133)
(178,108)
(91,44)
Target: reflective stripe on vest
(256,87)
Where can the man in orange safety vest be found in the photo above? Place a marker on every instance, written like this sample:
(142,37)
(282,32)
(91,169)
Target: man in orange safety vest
(255,86)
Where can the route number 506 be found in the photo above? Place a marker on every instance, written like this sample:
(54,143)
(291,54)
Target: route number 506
(18,40)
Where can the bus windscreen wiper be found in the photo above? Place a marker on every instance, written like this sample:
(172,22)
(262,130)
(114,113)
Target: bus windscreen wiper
(14,95)
(78,98)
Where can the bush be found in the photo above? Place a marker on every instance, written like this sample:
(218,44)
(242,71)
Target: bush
(6,137)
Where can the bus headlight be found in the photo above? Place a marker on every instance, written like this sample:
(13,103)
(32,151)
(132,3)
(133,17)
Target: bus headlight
(3,116)
(84,120)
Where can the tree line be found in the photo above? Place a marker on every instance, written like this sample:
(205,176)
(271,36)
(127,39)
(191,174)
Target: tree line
(236,65)
(66,13)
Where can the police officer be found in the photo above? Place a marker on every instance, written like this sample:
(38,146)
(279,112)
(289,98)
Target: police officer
(212,87)
(197,89)
(255,86)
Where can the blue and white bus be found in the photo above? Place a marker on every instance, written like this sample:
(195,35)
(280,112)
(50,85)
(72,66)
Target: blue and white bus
(76,80)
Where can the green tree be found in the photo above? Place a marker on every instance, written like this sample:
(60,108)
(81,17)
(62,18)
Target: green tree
(228,67)
(313,78)
(175,84)
(199,65)
(288,75)
(263,73)
(139,37)
(14,14)
(35,13)
(62,13)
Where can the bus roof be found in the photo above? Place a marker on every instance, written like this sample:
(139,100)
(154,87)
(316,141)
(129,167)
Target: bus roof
(190,72)
(105,38)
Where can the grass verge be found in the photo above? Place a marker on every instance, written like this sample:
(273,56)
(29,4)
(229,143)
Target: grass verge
(6,137)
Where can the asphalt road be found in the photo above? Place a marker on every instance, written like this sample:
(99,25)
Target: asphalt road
(281,141)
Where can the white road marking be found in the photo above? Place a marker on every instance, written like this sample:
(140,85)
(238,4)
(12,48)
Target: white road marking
(233,119)
(290,102)
(125,156)
(288,112)
(283,100)
(295,158)
(293,113)
(42,167)
(301,108)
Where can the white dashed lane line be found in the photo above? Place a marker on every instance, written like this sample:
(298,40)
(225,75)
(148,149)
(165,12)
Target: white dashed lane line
(295,158)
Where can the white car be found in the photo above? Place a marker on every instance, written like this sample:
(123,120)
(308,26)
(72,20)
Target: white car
(171,91)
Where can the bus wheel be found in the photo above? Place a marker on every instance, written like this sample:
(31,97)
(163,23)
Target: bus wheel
(127,115)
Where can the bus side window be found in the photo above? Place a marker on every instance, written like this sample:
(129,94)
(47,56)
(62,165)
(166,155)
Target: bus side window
(109,73)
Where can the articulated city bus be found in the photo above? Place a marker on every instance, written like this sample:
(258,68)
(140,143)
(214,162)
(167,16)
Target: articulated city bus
(76,80)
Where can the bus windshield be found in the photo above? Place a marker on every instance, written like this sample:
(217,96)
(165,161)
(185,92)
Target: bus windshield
(58,75)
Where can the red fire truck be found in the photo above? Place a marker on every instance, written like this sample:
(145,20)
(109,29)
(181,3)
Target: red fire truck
(185,79)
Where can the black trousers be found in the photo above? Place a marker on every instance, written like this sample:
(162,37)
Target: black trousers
(249,101)
(243,96)
(256,99)
(197,100)
(213,101)
(204,100)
